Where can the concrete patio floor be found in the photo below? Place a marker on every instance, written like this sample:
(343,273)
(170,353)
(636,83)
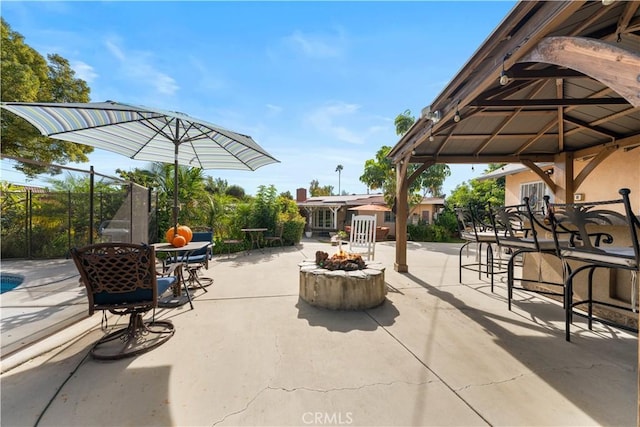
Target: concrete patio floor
(251,353)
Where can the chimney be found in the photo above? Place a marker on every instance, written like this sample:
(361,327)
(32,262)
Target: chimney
(301,194)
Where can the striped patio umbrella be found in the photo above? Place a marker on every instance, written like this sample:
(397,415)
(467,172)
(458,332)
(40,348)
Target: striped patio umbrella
(145,134)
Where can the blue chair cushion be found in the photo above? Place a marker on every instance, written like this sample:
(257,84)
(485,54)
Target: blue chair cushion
(141,295)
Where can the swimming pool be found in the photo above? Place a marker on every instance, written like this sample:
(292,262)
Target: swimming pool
(9,282)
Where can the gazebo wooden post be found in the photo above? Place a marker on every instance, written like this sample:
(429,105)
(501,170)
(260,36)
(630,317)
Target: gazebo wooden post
(402,205)
(563,177)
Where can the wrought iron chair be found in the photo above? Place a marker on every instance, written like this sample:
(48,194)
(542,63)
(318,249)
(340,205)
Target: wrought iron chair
(362,239)
(594,242)
(121,278)
(277,235)
(519,229)
(474,227)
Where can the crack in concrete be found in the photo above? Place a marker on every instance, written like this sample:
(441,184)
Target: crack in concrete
(329,390)
(534,374)
(292,390)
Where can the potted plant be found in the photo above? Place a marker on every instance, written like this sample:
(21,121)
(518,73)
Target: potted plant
(307,230)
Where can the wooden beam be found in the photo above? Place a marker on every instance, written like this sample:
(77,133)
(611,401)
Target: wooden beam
(620,143)
(547,103)
(560,95)
(545,73)
(542,174)
(593,163)
(493,158)
(418,171)
(589,127)
(611,65)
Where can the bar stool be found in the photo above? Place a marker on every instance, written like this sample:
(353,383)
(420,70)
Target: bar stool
(519,229)
(475,228)
(592,238)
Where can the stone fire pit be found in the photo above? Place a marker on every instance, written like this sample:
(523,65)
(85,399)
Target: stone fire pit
(338,289)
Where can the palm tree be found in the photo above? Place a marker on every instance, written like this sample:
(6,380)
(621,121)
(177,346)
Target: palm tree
(339,170)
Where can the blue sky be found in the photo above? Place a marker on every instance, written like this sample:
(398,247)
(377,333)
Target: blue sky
(316,84)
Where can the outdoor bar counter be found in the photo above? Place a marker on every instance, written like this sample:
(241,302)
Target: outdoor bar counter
(611,286)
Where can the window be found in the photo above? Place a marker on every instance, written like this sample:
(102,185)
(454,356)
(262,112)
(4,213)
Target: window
(535,191)
(322,218)
(389,216)
(425,217)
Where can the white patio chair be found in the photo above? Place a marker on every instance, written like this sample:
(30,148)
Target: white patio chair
(363,236)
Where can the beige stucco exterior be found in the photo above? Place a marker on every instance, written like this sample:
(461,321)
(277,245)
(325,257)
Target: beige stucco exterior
(620,170)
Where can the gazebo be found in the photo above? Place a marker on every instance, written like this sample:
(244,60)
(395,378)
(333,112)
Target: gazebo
(554,82)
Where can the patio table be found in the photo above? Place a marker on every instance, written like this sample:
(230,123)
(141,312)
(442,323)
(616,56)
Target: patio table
(182,253)
(256,235)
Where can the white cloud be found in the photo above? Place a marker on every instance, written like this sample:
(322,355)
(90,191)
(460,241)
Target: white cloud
(273,110)
(326,119)
(84,71)
(137,65)
(317,46)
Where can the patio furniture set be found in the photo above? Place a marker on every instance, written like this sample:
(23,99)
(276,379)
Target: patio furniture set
(582,237)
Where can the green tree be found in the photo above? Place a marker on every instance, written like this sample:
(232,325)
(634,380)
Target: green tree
(235,191)
(479,193)
(380,174)
(216,186)
(315,190)
(26,76)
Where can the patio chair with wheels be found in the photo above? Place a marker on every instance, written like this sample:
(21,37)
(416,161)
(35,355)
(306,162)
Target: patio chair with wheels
(474,227)
(121,278)
(603,234)
(363,236)
(521,231)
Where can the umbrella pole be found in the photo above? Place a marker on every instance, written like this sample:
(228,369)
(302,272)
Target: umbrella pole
(175,189)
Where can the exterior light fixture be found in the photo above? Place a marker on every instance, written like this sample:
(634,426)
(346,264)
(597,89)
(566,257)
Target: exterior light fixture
(607,2)
(504,78)
(431,138)
(456,117)
(434,116)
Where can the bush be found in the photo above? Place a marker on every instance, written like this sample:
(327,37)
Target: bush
(423,232)
(293,226)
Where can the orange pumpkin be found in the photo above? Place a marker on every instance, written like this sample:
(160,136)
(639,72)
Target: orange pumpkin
(185,232)
(170,234)
(179,241)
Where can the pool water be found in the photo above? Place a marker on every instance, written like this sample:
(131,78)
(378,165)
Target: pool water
(8,282)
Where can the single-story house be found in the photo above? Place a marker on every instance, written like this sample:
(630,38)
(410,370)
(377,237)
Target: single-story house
(329,214)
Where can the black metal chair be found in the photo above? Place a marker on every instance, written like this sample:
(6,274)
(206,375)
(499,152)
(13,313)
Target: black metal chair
(519,230)
(594,243)
(474,226)
(121,278)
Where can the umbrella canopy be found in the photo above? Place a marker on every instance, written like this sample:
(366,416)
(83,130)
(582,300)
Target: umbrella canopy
(370,208)
(145,134)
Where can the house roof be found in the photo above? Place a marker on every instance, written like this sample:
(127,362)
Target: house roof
(545,108)
(357,200)
(510,169)
(347,200)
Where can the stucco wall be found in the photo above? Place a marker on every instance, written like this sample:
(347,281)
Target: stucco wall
(619,170)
